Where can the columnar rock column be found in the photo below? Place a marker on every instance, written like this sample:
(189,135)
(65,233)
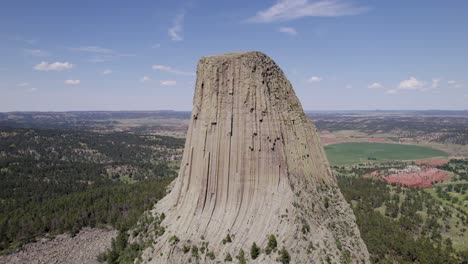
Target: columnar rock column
(253,166)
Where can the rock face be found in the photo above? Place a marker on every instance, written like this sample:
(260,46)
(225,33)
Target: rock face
(253,166)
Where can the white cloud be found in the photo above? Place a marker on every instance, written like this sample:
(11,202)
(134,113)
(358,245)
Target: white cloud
(375,85)
(314,79)
(33,89)
(105,72)
(288,30)
(36,52)
(23,84)
(348,86)
(168,83)
(165,68)
(72,82)
(411,84)
(145,79)
(53,66)
(285,10)
(175,31)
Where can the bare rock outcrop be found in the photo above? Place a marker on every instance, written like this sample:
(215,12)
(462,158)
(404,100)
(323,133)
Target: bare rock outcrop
(84,247)
(253,166)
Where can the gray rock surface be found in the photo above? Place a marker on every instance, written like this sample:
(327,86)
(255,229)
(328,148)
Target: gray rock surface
(82,248)
(253,166)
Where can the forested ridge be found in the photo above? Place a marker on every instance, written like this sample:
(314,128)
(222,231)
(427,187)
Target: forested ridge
(403,225)
(54,181)
(60,180)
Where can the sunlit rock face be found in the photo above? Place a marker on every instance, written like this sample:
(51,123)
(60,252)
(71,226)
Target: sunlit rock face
(253,166)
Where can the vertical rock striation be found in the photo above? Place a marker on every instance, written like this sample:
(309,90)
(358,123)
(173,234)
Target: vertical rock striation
(253,166)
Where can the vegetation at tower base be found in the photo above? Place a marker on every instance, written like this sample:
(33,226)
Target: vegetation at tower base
(252,165)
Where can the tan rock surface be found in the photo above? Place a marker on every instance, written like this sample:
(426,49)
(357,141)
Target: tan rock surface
(253,166)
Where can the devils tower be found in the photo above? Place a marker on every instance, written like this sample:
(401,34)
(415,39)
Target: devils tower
(253,170)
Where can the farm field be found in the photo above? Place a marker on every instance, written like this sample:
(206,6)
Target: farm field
(355,152)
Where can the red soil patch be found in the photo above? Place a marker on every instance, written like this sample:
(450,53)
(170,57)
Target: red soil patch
(423,178)
(432,162)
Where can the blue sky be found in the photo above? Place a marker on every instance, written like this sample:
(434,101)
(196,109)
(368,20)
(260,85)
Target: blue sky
(141,55)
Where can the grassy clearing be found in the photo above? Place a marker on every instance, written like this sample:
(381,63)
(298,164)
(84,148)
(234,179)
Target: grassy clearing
(356,152)
(460,240)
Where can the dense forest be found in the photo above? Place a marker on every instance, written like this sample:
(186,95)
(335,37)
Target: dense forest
(59,180)
(403,225)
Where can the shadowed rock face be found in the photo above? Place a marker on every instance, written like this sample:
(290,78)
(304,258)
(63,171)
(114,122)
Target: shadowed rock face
(253,166)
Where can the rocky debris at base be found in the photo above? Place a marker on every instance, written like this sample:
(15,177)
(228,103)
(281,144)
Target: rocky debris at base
(82,248)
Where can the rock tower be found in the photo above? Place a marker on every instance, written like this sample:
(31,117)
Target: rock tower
(253,168)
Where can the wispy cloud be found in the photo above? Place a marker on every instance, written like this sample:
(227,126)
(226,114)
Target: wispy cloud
(98,59)
(168,83)
(175,31)
(165,68)
(93,49)
(314,79)
(101,54)
(454,84)
(23,84)
(145,79)
(435,83)
(375,85)
(105,72)
(72,82)
(36,52)
(156,46)
(21,39)
(348,86)
(288,30)
(53,66)
(285,10)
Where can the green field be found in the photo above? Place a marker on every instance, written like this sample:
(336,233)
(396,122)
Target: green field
(350,153)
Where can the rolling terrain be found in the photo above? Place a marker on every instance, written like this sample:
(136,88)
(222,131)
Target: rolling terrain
(53,164)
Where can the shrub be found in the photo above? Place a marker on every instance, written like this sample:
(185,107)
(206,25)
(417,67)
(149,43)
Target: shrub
(272,244)
(284,256)
(241,257)
(173,240)
(211,255)
(228,258)
(254,251)
(185,249)
(227,239)
(195,251)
